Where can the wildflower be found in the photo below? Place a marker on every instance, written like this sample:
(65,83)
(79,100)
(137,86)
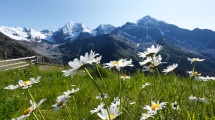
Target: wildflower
(98,108)
(119,64)
(155,106)
(132,103)
(146,84)
(153,64)
(97,60)
(196,75)
(113,110)
(60,102)
(175,106)
(197,99)
(28,111)
(68,92)
(116,101)
(23,84)
(146,116)
(125,77)
(150,51)
(207,78)
(77,64)
(194,60)
(100,97)
(170,68)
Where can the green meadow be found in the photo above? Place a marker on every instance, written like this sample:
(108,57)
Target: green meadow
(165,88)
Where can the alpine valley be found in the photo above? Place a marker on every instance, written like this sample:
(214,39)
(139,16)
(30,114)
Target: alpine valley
(113,43)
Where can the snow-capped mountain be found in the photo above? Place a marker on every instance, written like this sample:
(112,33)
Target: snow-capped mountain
(27,34)
(103,29)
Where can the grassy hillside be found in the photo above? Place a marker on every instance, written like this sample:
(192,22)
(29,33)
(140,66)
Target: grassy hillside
(53,84)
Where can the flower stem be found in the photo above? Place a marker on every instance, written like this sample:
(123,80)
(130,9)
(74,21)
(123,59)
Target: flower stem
(120,93)
(101,77)
(35,115)
(85,69)
(35,102)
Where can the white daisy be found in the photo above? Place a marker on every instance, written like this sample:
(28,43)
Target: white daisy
(113,110)
(97,60)
(23,84)
(170,68)
(68,92)
(207,78)
(60,102)
(196,75)
(150,51)
(195,60)
(125,77)
(146,116)
(198,99)
(76,64)
(155,106)
(146,84)
(116,101)
(28,111)
(175,106)
(119,64)
(98,108)
(100,97)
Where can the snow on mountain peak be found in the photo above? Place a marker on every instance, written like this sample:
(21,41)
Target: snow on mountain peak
(19,33)
(147,20)
(103,29)
(72,29)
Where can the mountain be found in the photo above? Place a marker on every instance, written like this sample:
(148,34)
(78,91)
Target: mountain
(103,29)
(13,48)
(148,29)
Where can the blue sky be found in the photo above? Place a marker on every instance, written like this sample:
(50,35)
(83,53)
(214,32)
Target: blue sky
(53,14)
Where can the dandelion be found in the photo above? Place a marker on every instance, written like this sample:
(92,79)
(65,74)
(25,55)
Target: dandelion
(146,116)
(170,68)
(28,111)
(113,110)
(197,99)
(98,108)
(119,64)
(155,106)
(125,77)
(60,102)
(23,84)
(150,51)
(195,60)
(146,84)
(100,97)
(175,106)
(77,64)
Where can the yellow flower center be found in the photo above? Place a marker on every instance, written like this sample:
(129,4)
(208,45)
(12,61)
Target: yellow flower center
(111,116)
(196,74)
(145,116)
(27,111)
(155,106)
(26,82)
(60,104)
(198,98)
(116,63)
(195,59)
(35,106)
(124,76)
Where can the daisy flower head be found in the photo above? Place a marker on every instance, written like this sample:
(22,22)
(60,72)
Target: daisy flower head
(29,110)
(150,51)
(97,60)
(146,84)
(198,99)
(170,68)
(119,64)
(196,75)
(98,108)
(175,106)
(100,97)
(194,60)
(23,84)
(155,106)
(146,116)
(77,64)
(125,77)
(113,110)
(70,92)
(116,101)
(60,102)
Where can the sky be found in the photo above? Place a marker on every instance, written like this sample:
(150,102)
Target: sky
(54,14)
